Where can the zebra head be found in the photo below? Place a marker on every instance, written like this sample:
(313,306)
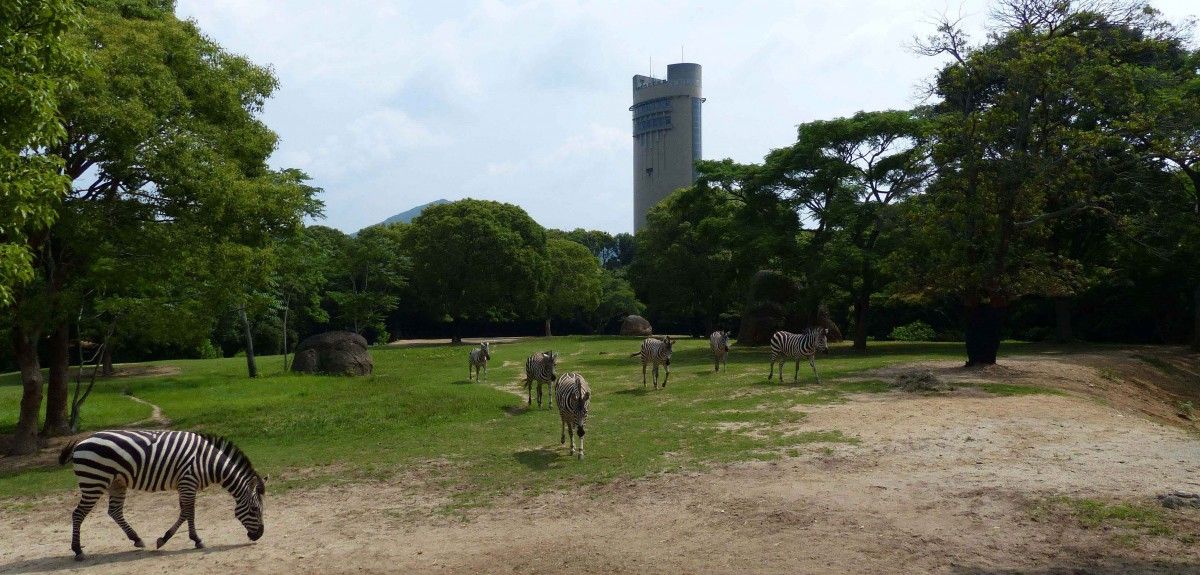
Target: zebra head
(552,357)
(823,339)
(725,340)
(486,348)
(249,506)
(668,342)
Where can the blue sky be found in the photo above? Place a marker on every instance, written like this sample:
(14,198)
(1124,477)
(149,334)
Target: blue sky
(388,105)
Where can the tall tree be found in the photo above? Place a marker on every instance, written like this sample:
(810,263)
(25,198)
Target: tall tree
(574,280)
(370,273)
(478,260)
(162,132)
(1021,121)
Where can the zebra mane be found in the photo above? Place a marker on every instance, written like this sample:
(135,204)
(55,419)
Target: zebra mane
(233,452)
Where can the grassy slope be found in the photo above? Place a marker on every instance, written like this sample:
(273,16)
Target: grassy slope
(420,407)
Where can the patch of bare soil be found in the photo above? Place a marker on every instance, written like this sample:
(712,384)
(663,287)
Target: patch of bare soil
(937,484)
(134,371)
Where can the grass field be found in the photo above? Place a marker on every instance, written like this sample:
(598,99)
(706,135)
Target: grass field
(420,408)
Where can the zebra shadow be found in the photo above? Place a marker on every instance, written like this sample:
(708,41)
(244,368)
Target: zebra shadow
(68,562)
(539,459)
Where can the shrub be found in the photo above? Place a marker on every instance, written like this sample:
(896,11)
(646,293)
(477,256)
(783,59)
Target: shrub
(915,331)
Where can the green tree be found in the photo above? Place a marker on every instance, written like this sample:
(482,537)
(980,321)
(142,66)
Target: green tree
(574,283)
(617,299)
(162,137)
(371,272)
(1024,136)
(478,260)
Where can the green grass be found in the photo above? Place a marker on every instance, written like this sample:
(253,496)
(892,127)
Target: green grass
(1008,389)
(1128,521)
(419,408)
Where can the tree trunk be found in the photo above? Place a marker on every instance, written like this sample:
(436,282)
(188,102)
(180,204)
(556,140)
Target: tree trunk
(1062,320)
(106,360)
(862,306)
(548,334)
(251,367)
(57,388)
(1196,318)
(285,349)
(25,439)
(456,331)
(983,333)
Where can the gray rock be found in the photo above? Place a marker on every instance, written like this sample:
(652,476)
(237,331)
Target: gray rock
(333,353)
(636,325)
(1179,500)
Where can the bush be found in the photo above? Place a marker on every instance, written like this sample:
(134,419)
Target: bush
(915,331)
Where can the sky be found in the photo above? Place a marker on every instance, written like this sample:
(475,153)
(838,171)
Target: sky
(389,104)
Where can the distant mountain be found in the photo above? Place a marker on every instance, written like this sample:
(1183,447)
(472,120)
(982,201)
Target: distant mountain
(407,217)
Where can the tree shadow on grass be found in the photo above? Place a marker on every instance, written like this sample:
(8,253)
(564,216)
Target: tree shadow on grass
(633,391)
(515,410)
(538,459)
(67,561)
(465,382)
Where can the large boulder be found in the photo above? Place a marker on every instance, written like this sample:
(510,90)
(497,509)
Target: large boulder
(333,353)
(636,325)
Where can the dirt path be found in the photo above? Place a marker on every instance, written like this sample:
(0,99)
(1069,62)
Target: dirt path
(941,484)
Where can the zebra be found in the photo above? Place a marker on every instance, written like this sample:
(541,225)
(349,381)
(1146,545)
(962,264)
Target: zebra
(719,342)
(574,398)
(151,460)
(479,359)
(656,351)
(540,367)
(786,345)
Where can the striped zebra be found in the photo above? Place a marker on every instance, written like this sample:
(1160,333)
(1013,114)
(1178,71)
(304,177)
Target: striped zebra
(656,351)
(786,345)
(113,462)
(719,342)
(574,398)
(479,359)
(540,367)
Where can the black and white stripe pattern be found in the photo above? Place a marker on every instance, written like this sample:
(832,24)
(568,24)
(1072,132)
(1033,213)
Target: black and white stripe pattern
(113,462)
(719,343)
(656,351)
(479,360)
(786,345)
(574,399)
(540,368)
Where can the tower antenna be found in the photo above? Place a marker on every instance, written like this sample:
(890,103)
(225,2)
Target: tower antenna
(652,66)
(681,58)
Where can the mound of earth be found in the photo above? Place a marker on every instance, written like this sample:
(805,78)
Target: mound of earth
(920,380)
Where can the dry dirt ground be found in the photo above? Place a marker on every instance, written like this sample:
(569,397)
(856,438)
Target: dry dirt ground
(951,483)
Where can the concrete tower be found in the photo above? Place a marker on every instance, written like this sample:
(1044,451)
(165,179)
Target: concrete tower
(666,136)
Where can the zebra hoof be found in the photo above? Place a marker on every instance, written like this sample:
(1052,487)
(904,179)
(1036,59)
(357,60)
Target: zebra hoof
(138,543)
(80,556)
(199,545)
(161,541)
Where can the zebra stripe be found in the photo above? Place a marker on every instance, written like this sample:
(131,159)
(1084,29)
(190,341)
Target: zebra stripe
(540,367)
(656,351)
(574,398)
(113,462)
(786,345)
(719,343)
(479,359)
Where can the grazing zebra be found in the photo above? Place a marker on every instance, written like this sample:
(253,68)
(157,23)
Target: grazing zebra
(656,351)
(786,345)
(719,342)
(115,461)
(479,359)
(540,367)
(574,398)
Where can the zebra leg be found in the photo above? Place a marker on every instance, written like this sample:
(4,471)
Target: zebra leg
(528,392)
(187,503)
(812,360)
(539,394)
(655,369)
(550,393)
(116,510)
(643,375)
(795,374)
(562,439)
(581,444)
(571,434)
(666,368)
(771,376)
(87,500)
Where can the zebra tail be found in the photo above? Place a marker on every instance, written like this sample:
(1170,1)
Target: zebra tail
(638,354)
(67,450)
